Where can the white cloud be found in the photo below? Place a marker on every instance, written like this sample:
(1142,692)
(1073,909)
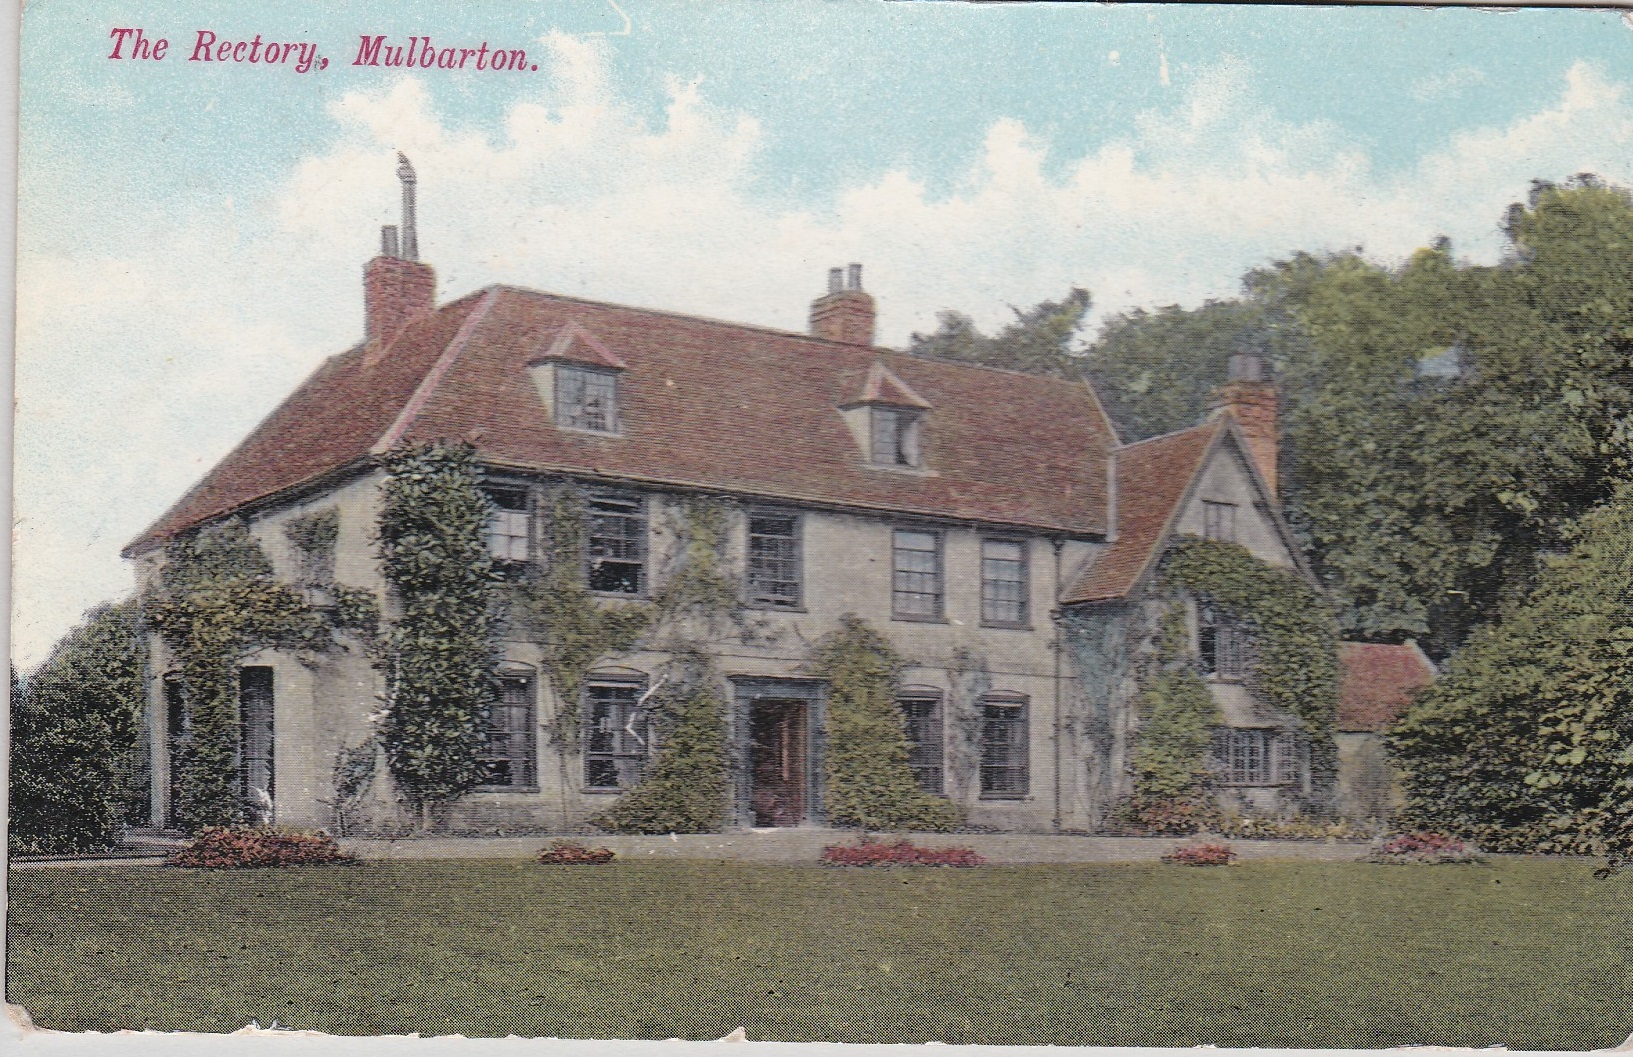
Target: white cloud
(135,374)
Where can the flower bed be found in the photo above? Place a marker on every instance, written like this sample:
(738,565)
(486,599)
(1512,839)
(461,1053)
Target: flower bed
(1202,853)
(572,853)
(901,853)
(1424,847)
(245,847)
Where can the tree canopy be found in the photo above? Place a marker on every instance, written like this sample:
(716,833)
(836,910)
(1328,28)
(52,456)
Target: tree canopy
(1041,340)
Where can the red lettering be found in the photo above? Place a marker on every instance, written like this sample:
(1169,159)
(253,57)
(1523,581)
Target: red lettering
(368,51)
(119,36)
(201,48)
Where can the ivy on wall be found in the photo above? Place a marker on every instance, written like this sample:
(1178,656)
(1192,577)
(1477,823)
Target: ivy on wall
(573,631)
(1294,633)
(684,789)
(869,782)
(440,654)
(1169,759)
(699,585)
(217,601)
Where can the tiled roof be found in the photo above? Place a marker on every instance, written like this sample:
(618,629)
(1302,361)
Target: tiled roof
(703,404)
(1153,477)
(1380,681)
(883,387)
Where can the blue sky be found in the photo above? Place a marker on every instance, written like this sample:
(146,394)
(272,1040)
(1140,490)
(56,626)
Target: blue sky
(191,235)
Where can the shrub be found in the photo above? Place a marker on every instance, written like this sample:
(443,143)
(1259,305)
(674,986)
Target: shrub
(1141,816)
(1246,827)
(244,847)
(1201,853)
(572,853)
(1423,846)
(901,853)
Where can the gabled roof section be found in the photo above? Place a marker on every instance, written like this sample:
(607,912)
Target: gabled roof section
(883,387)
(1153,478)
(1380,683)
(703,404)
(574,344)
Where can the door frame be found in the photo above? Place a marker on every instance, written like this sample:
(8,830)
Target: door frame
(745,692)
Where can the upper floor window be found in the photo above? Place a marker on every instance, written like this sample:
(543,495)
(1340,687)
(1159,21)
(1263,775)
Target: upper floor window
(1222,644)
(921,719)
(916,589)
(617,544)
(508,527)
(897,435)
(618,741)
(1005,763)
(774,560)
(1219,521)
(508,756)
(586,398)
(1003,582)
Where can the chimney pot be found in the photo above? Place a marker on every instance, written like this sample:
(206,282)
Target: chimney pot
(388,241)
(855,278)
(397,287)
(836,280)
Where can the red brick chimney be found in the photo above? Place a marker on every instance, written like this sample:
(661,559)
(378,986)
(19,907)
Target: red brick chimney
(1250,397)
(398,288)
(846,312)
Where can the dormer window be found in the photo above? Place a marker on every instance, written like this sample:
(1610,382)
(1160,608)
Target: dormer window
(897,436)
(586,398)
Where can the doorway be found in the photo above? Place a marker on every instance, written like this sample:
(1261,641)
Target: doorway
(779,763)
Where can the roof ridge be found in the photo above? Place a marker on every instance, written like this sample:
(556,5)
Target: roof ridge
(422,393)
(1212,423)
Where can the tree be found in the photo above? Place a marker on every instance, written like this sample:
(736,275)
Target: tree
(74,729)
(1039,341)
(1527,741)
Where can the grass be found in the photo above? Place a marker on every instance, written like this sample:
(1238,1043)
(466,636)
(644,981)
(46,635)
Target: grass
(1522,953)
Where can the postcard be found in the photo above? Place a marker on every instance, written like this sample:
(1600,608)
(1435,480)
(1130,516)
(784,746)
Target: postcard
(828,522)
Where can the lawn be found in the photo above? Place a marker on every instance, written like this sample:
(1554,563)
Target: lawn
(1526,954)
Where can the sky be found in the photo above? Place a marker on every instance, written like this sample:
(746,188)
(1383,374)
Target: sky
(191,233)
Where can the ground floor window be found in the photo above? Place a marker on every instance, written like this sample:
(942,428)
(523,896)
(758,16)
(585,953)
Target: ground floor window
(618,741)
(921,718)
(508,758)
(256,739)
(1004,763)
(1255,756)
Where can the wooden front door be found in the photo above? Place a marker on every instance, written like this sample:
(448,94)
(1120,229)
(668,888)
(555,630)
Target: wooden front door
(778,762)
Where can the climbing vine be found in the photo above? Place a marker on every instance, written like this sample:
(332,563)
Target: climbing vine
(1169,757)
(684,789)
(869,782)
(699,584)
(572,629)
(440,654)
(1295,636)
(216,601)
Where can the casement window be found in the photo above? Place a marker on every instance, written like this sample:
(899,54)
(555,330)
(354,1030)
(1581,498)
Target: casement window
(509,760)
(1003,582)
(916,587)
(586,398)
(1251,756)
(1222,644)
(774,560)
(255,743)
(1005,767)
(618,739)
(921,719)
(1219,521)
(508,535)
(897,435)
(617,544)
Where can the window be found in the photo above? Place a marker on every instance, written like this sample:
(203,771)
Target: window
(1219,521)
(896,436)
(1003,582)
(916,579)
(1004,765)
(618,743)
(508,758)
(1254,757)
(774,560)
(586,398)
(255,740)
(1222,644)
(508,528)
(921,718)
(617,552)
